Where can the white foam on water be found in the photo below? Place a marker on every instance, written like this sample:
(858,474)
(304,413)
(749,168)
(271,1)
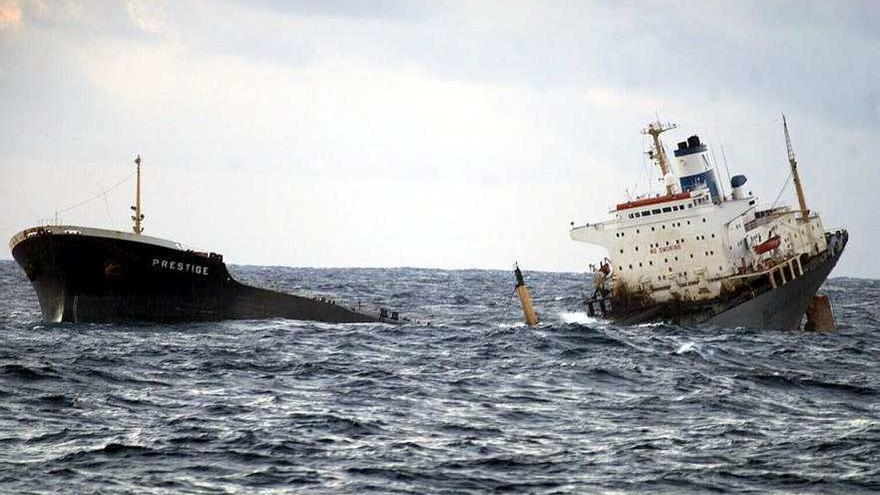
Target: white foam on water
(686,347)
(578,317)
(519,324)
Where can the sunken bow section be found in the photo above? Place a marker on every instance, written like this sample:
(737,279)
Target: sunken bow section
(698,253)
(88,274)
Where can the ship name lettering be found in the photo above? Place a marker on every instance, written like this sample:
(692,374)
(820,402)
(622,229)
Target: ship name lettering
(663,249)
(180,266)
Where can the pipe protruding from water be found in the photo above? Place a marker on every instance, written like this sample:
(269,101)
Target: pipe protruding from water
(524,298)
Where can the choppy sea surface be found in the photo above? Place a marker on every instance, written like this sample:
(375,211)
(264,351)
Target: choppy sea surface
(474,403)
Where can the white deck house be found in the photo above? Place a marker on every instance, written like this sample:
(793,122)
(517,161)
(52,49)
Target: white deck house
(693,241)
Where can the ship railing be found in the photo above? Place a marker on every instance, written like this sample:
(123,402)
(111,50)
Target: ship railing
(764,217)
(366,308)
(50,222)
(25,234)
(764,269)
(16,239)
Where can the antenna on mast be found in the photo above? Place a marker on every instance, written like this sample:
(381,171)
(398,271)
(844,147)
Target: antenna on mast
(805,213)
(138,216)
(658,153)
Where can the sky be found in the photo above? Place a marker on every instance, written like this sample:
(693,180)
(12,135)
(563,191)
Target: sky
(430,134)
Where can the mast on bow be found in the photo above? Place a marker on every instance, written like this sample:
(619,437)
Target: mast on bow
(138,216)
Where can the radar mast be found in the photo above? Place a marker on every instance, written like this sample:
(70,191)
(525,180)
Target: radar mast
(658,153)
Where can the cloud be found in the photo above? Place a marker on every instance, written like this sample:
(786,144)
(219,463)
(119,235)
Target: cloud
(440,120)
(615,98)
(327,113)
(147,15)
(10,14)
(356,9)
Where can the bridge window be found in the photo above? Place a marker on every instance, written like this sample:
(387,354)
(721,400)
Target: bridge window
(667,209)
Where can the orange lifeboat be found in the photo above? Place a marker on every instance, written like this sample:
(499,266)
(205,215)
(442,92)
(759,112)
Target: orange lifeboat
(768,245)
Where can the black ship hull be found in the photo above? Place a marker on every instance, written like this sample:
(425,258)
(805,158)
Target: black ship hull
(775,308)
(94,275)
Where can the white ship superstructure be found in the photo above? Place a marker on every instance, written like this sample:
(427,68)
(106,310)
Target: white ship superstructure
(696,241)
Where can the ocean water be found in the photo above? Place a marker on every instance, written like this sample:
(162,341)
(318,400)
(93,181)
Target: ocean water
(474,403)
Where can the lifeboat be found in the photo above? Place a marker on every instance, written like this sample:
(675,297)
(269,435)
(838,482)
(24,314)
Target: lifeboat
(768,245)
